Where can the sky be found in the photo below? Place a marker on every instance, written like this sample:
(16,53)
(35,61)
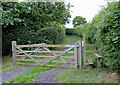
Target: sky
(85,8)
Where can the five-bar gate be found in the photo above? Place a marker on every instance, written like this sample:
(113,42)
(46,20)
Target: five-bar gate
(46,55)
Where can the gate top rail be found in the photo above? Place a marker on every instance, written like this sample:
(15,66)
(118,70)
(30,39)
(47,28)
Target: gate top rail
(47,45)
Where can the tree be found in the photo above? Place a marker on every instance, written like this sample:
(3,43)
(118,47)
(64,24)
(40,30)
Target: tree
(21,21)
(34,14)
(78,20)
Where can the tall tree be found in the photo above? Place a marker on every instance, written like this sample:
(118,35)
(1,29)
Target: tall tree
(78,20)
(34,14)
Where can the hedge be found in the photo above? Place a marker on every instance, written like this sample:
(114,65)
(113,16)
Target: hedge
(104,29)
(69,31)
(28,36)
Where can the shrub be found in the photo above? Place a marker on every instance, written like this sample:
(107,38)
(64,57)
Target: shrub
(21,35)
(52,35)
(69,31)
(104,29)
(25,36)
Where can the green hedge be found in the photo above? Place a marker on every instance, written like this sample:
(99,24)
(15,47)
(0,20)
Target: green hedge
(104,29)
(28,36)
(69,31)
(52,35)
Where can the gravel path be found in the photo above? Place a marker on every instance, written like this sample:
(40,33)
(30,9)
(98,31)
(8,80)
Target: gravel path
(49,75)
(6,75)
(75,39)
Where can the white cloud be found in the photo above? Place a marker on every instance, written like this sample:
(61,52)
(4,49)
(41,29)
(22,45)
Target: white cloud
(85,8)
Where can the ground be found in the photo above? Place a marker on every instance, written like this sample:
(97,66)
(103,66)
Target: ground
(37,74)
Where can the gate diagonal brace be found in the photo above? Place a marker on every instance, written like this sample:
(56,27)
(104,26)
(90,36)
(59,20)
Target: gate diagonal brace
(35,50)
(29,56)
(54,54)
(58,55)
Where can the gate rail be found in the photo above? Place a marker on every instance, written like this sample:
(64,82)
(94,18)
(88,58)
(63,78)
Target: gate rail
(17,51)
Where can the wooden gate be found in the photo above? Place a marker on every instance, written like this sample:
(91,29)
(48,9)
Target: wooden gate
(46,55)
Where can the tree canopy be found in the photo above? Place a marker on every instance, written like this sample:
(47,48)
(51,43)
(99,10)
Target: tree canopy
(78,20)
(34,14)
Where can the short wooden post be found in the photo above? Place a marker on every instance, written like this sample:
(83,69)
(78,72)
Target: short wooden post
(98,62)
(79,51)
(84,48)
(14,51)
(75,56)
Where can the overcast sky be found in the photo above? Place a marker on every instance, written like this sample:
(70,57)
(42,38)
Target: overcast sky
(85,8)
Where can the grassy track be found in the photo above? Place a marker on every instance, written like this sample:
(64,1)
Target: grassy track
(28,76)
(87,75)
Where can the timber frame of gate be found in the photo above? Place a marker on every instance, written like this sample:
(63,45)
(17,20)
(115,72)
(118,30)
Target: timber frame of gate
(77,52)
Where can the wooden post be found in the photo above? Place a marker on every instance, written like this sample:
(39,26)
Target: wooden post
(79,51)
(75,56)
(84,48)
(14,51)
(98,62)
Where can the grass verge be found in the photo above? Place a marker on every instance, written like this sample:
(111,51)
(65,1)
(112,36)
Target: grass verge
(7,64)
(87,76)
(28,76)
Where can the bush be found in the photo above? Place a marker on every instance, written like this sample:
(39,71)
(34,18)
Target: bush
(52,35)
(69,31)
(104,29)
(25,36)
(78,31)
(21,35)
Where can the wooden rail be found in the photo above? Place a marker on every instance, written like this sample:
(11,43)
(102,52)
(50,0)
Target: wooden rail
(47,45)
(29,55)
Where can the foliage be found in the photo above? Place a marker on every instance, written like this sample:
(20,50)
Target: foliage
(27,36)
(78,20)
(52,35)
(104,29)
(69,31)
(23,22)
(34,14)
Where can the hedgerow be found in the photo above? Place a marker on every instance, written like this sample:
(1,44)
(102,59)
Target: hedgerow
(104,29)
(22,35)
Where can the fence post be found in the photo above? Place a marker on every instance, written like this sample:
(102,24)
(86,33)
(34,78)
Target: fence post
(79,51)
(84,48)
(14,51)
(75,55)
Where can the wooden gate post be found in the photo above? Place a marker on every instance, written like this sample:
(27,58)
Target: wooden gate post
(84,48)
(14,51)
(75,56)
(79,51)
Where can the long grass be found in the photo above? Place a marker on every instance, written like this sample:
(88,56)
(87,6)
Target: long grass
(87,76)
